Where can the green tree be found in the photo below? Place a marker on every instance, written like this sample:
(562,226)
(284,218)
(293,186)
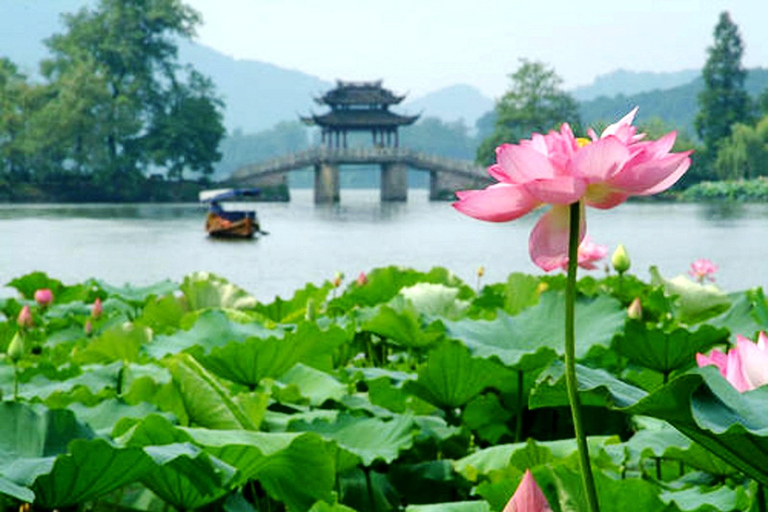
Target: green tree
(121,102)
(744,155)
(535,102)
(724,101)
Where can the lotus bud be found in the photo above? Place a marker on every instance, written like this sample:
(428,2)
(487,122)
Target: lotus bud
(480,271)
(24,320)
(635,309)
(44,297)
(362,279)
(620,259)
(97,309)
(337,279)
(311,313)
(16,348)
(88,328)
(528,497)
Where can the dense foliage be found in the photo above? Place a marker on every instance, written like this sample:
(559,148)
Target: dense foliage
(115,104)
(404,390)
(534,102)
(724,101)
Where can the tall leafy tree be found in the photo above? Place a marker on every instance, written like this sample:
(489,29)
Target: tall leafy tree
(119,90)
(535,102)
(724,101)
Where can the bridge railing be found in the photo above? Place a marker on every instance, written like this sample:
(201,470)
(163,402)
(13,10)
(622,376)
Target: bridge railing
(369,155)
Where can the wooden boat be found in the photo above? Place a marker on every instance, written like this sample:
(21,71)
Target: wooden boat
(227,222)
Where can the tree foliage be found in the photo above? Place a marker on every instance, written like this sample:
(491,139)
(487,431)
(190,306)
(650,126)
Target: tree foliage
(724,100)
(744,155)
(115,105)
(535,102)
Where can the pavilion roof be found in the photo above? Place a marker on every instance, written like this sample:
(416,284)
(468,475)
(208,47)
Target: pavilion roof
(359,93)
(360,119)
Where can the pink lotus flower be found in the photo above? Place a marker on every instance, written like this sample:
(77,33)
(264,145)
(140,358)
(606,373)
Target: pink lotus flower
(559,169)
(97,308)
(588,253)
(44,296)
(702,269)
(362,279)
(24,320)
(528,497)
(744,366)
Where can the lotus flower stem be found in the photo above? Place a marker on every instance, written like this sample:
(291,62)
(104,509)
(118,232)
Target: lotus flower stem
(570,359)
(761,507)
(520,406)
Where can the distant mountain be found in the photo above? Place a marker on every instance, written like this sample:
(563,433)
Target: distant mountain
(626,82)
(451,104)
(258,95)
(677,106)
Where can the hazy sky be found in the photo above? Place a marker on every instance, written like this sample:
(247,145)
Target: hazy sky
(418,46)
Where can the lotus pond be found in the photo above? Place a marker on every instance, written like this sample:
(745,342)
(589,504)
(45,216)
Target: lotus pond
(406,390)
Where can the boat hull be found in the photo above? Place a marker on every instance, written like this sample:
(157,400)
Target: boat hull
(220,227)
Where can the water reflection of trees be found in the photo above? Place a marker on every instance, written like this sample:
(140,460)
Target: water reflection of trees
(726,210)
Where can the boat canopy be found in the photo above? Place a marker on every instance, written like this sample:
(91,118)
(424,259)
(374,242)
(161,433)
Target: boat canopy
(222,194)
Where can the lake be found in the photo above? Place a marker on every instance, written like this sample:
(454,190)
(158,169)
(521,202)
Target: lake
(144,243)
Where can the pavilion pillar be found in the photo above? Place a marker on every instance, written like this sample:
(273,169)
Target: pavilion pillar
(394,182)
(327,189)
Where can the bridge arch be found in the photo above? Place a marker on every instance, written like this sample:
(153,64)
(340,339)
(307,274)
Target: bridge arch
(446,175)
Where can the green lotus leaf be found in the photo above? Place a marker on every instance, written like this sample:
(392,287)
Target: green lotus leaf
(119,343)
(368,438)
(162,315)
(207,402)
(384,283)
(212,329)
(455,506)
(521,292)
(314,385)
(666,442)
(293,310)
(9,488)
(701,404)
(27,285)
(693,302)
(433,299)
(138,295)
(297,469)
(562,486)
(204,290)
(253,359)
(103,416)
(667,351)
(452,377)
(746,316)
(322,506)
(530,340)
(402,325)
(98,380)
(696,499)
(90,469)
(186,476)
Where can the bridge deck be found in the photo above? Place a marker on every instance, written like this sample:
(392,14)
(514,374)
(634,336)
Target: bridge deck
(361,156)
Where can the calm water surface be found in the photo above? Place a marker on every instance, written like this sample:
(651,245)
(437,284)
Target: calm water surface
(142,244)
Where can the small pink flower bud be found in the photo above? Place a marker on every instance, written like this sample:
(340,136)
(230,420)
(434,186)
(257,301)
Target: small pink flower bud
(97,309)
(528,497)
(362,279)
(24,320)
(88,328)
(44,297)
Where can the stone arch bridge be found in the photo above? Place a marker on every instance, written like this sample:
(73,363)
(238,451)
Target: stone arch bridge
(446,175)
